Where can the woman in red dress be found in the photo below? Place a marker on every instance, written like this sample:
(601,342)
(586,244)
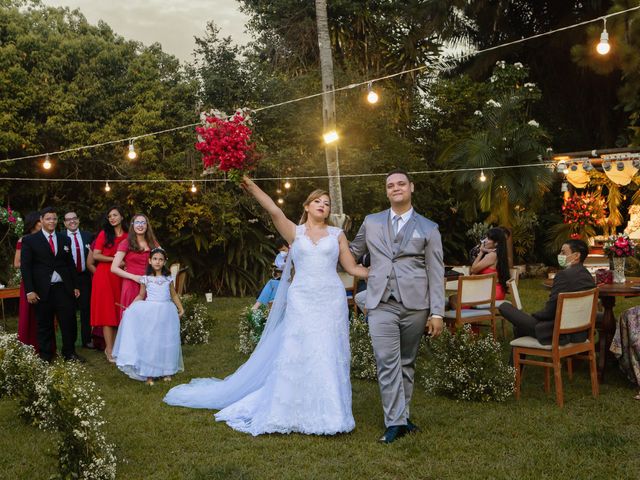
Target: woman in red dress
(493,259)
(106,287)
(27,324)
(134,251)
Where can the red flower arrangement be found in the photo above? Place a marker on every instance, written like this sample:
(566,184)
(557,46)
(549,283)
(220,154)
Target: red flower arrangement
(620,246)
(583,212)
(225,143)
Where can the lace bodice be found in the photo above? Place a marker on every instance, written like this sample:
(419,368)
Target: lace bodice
(157,288)
(315,261)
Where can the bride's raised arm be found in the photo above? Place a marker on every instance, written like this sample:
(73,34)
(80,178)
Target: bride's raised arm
(286,228)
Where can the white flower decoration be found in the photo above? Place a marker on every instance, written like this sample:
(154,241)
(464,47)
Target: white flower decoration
(518,65)
(533,123)
(478,113)
(492,103)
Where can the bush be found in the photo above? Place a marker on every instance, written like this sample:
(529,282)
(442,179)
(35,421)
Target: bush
(465,366)
(196,323)
(363,361)
(59,398)
(250,328)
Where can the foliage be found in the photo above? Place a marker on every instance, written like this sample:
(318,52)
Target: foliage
(196,322)
(363,360)
(583,213)
(467,366)
(59,398)
(478,231)
(250,327)
(523,234)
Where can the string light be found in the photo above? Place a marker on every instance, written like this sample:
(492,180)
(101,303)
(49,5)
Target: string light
(483,178)
(287,184)
(107,188)
(193,187)
(372,97)
(279,191)
(330,137)
(131,154)
(47,163)
(280,201)
(603,46)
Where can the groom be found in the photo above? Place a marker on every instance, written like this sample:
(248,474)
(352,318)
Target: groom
(405,295)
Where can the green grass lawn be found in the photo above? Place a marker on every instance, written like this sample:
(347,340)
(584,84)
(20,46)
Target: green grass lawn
(532,438)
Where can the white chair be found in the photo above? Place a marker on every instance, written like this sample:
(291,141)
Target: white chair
(474,290)
(575,312)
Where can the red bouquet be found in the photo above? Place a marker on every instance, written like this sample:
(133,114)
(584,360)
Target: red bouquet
(225,143)
(620,246)
(583,212)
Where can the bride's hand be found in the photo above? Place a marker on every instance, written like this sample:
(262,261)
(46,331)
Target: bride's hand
(246,183)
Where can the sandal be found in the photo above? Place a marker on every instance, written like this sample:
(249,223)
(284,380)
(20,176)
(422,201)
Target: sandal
(637,397)
(110,359)
(168,378)
(149,381)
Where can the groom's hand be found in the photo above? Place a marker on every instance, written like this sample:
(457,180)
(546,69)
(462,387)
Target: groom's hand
(435,325)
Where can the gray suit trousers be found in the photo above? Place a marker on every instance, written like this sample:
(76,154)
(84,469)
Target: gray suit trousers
(395,334)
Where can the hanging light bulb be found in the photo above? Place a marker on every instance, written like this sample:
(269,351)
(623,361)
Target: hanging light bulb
(372,97)
(47,163)
(482,176)
(131,154)
(330,137)
(603,46)
(279,191)
(107,187)
(287,184)
(564,187)
(280,201)
(193,187)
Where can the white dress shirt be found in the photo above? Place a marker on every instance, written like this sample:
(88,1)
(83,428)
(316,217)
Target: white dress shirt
(404,218)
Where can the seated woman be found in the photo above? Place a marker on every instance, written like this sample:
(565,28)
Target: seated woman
(626,345)
(492,258)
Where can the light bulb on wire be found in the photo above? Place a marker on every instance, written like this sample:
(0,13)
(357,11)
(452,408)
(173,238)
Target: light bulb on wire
(47,163)
(603,46)
(107,187)
(287,184)
(483,178)
(372,96)
(280,201)
(330,137)
(194,189)
(131,154)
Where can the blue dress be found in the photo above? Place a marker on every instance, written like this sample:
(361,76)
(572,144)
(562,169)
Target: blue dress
(148,341)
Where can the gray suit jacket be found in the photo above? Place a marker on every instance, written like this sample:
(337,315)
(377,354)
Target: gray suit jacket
(418,263)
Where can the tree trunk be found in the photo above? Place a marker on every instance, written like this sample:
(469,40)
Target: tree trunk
(329,111)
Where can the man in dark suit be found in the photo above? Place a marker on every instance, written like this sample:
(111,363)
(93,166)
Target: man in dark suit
(574,278)
(50,280)
(80,243)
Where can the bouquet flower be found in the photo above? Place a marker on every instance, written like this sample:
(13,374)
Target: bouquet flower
(225,143)
(582,211)
(620,246)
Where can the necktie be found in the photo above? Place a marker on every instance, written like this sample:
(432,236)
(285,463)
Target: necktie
(395,222)
(53,248)
(78,255)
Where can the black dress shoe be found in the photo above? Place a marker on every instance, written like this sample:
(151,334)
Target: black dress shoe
(391,434)
(74,357)
(412,427)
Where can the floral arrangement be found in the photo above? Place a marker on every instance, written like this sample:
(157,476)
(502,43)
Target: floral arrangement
(12,219)
(225,143)
(196,323)
(619,246)
(582,212)
(466,366)
(59,398)
(363,361)
(250,328)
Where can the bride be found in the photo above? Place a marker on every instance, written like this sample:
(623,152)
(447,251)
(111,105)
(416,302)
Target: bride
(297,379)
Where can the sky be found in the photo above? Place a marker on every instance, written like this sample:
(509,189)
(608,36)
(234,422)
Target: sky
(172,23)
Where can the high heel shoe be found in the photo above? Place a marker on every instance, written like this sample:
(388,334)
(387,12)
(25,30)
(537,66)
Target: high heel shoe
(110,359)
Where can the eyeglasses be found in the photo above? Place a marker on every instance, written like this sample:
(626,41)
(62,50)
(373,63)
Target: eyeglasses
(140,222)
(72,219)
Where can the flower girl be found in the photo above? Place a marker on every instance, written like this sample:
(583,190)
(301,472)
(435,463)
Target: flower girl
(148,341)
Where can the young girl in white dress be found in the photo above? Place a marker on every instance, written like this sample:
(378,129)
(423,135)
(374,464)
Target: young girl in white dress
(148,341)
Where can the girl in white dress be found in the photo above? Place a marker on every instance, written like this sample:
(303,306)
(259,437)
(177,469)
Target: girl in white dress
(297,379)
(148,341)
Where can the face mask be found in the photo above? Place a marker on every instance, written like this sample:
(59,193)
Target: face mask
(562,261)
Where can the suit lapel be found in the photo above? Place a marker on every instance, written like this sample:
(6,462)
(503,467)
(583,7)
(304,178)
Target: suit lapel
(44,242)
(386,237)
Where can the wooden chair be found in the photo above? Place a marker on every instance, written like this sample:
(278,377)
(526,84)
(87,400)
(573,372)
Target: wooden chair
(453,284)
(179,277)
(576,312)
(474,290)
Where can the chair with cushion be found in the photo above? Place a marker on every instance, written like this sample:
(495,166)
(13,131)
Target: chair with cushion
(575,312)
(474,291)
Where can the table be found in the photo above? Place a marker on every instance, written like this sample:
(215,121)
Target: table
(7,292)
(607,328)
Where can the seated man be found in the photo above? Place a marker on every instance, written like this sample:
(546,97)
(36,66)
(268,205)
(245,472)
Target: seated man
(574,278)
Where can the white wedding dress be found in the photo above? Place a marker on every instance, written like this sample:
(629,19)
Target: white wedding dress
(297,379)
